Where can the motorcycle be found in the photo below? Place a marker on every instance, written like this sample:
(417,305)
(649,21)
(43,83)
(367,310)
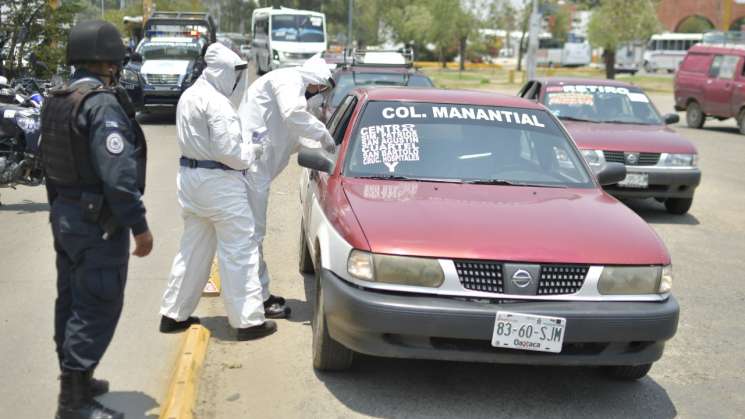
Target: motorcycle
(20,133)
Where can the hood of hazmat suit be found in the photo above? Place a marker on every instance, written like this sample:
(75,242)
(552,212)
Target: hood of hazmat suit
(276,101)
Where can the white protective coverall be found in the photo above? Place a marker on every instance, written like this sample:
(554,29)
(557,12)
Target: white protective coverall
(277,102)
(216,212)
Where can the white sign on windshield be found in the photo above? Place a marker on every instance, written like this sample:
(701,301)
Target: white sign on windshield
(464,112)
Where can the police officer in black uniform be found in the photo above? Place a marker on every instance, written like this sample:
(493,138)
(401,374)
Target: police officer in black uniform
(94,157)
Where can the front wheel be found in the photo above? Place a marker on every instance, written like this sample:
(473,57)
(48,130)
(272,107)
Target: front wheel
(741,121)
(678,206)
(629,372)
(305,264)
(695,116)
(328,354)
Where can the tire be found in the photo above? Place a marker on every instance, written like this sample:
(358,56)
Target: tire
(678,206)
(695,116)
(648,67)
(305,264)
(741,121)
(328,354)
(629,372)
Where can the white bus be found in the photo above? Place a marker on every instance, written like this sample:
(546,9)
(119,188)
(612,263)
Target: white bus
(576,52)
(665,51)
(284,37)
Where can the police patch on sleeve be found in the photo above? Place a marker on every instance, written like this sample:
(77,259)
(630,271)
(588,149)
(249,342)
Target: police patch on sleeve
(115,143)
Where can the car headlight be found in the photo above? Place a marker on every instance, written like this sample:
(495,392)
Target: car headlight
(630,280)
(390,269)
(275,55)
(678,160)
(129,76)
(593,157)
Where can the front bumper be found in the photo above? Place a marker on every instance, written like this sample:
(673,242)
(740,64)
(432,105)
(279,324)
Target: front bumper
(161,96)
(663,183)
(424,327)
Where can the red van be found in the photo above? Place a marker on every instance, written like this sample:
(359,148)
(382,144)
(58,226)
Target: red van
(710,83)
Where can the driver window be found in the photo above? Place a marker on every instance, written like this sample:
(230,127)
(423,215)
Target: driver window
(334,120)
(341,127)
(715,65)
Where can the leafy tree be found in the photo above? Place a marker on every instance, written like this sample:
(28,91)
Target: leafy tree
(560,24)
(616,22)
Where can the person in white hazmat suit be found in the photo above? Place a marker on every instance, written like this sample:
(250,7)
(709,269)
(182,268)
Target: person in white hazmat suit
(276,105)
(212,192)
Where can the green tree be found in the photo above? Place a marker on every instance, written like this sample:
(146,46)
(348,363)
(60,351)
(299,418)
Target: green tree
(616,22)
(560,24)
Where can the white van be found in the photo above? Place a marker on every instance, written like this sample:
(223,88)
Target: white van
(284,37)
(665,51)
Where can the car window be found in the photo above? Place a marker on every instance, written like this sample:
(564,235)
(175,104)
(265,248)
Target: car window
(728,66)
(715,65)
(524,89)
(170,51)
(341,127)
(334,120)
(601,103)
(463,143)
(347,81)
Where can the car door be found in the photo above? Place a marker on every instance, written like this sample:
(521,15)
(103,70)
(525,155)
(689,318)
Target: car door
(719,85)
(738,91)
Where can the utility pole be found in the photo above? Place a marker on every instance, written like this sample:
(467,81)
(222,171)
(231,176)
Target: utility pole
(349,24)
(535,28)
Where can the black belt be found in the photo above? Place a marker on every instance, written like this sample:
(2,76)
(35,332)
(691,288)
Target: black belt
(206,164)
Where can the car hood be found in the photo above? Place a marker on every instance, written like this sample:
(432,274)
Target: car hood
(506,223)
(165,67)
(628,137)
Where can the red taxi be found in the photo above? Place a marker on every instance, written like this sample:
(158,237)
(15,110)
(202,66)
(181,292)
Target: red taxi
(613,121)
(466,226)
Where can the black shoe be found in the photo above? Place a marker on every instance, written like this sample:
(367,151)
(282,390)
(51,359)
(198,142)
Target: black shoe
(97,387)
(276,308)
(75,400)
(256,332)
(168,325)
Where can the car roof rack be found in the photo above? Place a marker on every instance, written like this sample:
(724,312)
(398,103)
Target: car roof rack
(359,57)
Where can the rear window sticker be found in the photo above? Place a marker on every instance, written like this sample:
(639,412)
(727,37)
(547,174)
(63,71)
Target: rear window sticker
(316,21)
(389,144)
(638,97)
(573,99)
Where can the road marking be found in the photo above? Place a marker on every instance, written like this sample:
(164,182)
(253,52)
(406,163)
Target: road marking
(212,289)
(182,391)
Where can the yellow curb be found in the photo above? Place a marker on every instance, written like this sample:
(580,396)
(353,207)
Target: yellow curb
(182,391)
(212,289)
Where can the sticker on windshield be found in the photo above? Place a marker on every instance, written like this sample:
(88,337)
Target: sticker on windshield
(316,21)
(465,113)
(389,144)
(638,97)
(572,99)
(578,88)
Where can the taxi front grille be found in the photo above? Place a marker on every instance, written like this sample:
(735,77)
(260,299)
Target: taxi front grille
(162,79)
(480,275)
(561,279)
(644,159)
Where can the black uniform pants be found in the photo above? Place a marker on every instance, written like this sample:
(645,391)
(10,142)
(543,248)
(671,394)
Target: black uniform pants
(91,274)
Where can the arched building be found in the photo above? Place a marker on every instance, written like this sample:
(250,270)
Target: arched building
(714,14)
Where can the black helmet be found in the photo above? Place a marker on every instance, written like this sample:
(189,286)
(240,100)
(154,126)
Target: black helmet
(95,41)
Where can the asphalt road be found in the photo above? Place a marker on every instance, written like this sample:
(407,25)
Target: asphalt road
(699,375)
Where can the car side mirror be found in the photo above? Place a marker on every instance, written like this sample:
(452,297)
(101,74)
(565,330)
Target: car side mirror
(136,58)
(671,118)
(611,173)
(316,159)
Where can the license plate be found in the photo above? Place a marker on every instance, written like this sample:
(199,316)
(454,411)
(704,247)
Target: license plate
(528,332)
(635,180)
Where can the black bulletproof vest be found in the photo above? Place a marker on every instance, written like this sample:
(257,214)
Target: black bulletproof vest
(65,150)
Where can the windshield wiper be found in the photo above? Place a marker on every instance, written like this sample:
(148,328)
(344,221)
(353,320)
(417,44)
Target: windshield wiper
(511,183)
(414,179)
(571,118)
(616,121)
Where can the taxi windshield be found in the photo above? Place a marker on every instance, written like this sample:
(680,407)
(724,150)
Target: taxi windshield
(170,51)
(616,104)
(348,81)
(463,144)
